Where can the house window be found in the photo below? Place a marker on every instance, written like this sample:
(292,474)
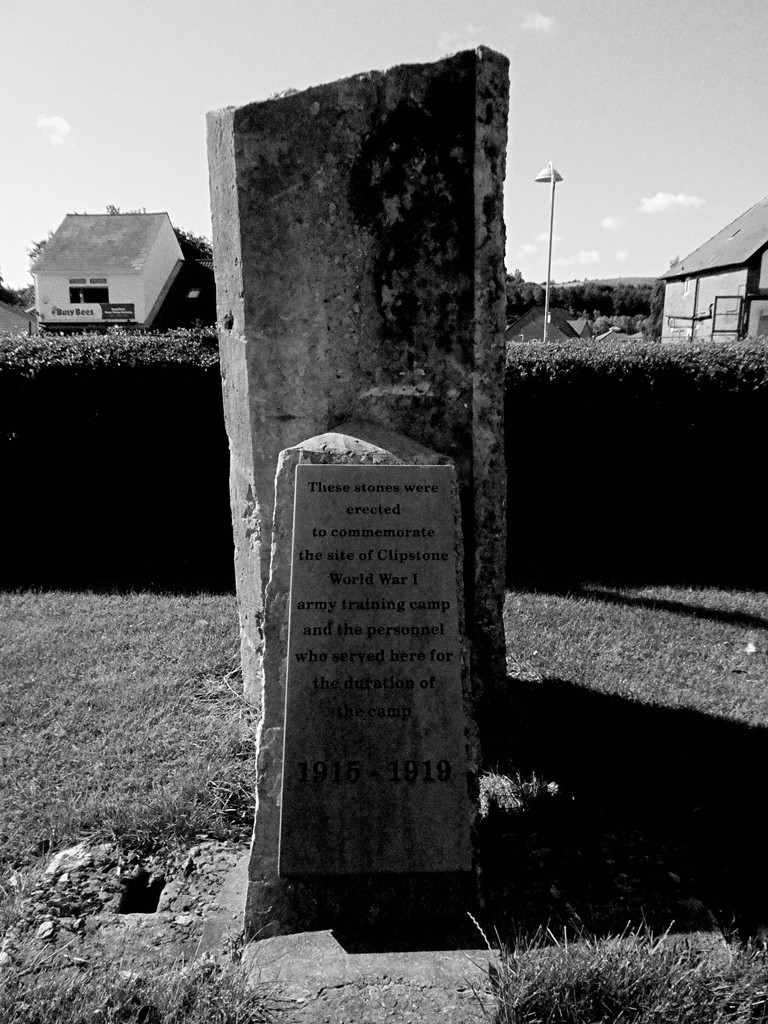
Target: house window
(93,289)
(727,314)
(687,286)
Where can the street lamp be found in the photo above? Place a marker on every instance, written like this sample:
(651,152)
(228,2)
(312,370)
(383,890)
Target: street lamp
(549,175)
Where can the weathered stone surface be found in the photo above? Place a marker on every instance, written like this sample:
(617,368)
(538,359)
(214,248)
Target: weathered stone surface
(359,239)
(325,982)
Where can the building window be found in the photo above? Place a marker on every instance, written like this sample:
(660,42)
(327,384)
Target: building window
(82,291)
(727,315)
(687,286)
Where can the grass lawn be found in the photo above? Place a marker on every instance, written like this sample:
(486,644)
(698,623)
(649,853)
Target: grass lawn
(647,708)
(121,718)
(705,650)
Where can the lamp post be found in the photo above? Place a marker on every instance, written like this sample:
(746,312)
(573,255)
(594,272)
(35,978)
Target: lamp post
(549,175)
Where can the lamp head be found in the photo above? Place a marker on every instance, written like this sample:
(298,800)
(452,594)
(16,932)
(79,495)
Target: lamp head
(548,174)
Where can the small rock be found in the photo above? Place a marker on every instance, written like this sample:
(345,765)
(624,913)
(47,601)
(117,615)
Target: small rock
(46,931)
(183,920)
(70,859)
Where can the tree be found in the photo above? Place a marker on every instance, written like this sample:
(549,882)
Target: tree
(652,329)
(603,324)
(521,295)
(37,247)
(194,247)
(114,210)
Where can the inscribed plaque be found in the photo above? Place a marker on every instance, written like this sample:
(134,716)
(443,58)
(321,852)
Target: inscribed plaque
(374,766)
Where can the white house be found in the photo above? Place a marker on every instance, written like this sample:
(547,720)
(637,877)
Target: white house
(106,268)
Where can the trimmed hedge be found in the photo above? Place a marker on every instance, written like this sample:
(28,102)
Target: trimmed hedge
(25,356)
(636,463)
(626,463)
(115,460)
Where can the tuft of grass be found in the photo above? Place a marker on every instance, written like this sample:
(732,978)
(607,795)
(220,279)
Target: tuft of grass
(636,977)
(199,993)
(121,718)
(512,792)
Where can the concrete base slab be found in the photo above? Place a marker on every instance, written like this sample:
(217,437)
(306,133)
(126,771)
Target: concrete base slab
(227,921)
(320,982)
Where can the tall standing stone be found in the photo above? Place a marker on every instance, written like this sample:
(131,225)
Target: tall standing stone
(359,239)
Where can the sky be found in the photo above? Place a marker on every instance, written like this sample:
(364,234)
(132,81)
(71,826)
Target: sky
(653,111)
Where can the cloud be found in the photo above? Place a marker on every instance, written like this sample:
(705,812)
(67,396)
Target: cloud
(539,23)
(622,255)
(667,201)
(56,129)
(613,222)
(584,257)
(543,236)
(526,250)
(448,42)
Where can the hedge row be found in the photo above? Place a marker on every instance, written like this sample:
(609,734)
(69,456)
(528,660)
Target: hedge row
(643,367)
(630,463)
(116,460)
(625,463)
(25,356)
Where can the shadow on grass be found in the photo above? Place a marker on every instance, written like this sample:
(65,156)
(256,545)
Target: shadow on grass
(609,595)
(658,817)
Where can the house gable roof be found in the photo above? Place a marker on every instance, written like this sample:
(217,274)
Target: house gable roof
(557,318)
(104,242)
(579,324)
(12,318)
(735,244)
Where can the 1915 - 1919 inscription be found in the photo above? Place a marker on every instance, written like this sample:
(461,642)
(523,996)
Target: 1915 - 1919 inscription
(374,767)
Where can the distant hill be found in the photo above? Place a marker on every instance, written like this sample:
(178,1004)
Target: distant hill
(612,281)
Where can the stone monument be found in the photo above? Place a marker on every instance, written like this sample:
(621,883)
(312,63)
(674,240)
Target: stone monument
(358,240)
